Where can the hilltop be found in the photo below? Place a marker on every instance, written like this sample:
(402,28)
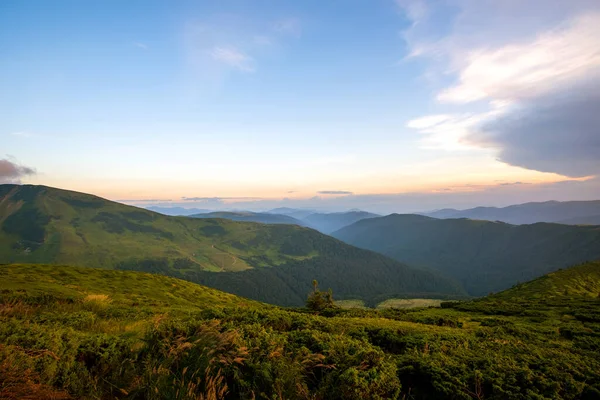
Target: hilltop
(565,212)
(274,263)
(484,256)
(87,333)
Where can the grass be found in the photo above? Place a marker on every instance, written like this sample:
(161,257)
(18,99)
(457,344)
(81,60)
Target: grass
(350,303)
(409,303)
(69,332)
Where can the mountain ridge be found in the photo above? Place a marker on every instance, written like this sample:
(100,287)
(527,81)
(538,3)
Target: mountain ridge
(39,224)
(484,256)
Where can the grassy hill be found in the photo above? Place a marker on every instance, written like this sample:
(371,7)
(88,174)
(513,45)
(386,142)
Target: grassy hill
(274,263)
(87,333)
(579,281)
(484,256)
(263,218)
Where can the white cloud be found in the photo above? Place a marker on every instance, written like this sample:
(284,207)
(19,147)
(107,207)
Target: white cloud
(536,64)
(233,58)
(555,58)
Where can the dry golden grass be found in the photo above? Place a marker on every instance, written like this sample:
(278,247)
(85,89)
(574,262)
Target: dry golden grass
(100,298)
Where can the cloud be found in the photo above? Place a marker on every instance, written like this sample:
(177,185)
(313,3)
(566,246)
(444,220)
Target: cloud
(343,192)
(220,199)
(140,45)
(22,134)
(288,26)
(233,58)
(11,172)
(557,58)
(540,79)
(142,200)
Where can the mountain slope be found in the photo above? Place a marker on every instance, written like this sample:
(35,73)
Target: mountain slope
(122,288)
(263,218)
(331,222)
(484,256)
(577,281)
(581,212)
(82,333)
(45,225)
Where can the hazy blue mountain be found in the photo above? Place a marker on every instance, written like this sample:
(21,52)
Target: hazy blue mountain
(298,213)
(587,220)
(330,222)
(484,256)
(580,212)
(248,216)
(177,210)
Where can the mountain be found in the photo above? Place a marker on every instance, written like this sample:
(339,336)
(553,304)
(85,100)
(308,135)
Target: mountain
(81,333)
(587,220)
(298,213)
(331,222)
(575,212)
(484,256)
(274,263)
(248,216)
(175,211)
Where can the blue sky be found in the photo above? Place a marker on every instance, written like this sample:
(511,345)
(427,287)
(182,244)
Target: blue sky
(395,105)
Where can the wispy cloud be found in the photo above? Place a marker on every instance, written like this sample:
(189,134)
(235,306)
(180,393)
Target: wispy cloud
(140,45)
(340,192)
(288,26)
(22,134)
(234,58)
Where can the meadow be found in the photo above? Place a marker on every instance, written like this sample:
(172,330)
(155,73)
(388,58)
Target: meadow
(70,332)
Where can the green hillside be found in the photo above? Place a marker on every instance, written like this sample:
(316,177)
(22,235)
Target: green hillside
(274,263)
(579,281)
(84,333)
(484,256)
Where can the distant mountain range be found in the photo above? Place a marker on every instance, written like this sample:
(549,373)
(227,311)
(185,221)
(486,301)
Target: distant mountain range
(331,222)
(484,256)
(567,212)
(248,216)
(272,263)
(323,222)
(298,213)
(175,211)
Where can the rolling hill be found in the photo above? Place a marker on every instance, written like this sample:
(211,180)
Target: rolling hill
(566,212)
(274,263)
(484,256)
(248,216)
(83,333)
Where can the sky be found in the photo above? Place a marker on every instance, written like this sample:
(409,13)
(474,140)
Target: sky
(383,105)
